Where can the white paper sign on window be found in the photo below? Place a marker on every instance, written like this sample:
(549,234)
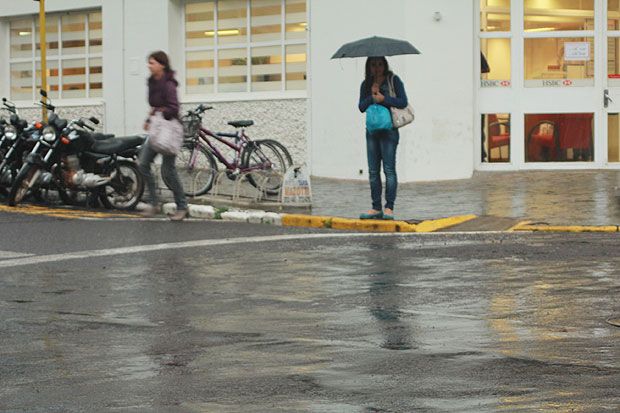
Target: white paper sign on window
(576,51)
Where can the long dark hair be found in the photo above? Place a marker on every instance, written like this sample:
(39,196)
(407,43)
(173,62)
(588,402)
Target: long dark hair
(368,78)
(162,58)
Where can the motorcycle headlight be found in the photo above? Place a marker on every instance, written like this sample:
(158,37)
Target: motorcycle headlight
(10,132)
(49,134)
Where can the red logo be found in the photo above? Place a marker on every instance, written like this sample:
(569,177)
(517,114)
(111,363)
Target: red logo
(568,82)
(505,83)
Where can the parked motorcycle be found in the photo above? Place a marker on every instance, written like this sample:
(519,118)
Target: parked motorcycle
(70,159)
(17,138)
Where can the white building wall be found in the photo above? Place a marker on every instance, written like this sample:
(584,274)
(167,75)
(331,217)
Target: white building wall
(439,144)
(4,68)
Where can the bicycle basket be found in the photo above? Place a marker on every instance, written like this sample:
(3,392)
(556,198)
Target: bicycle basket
(190,127)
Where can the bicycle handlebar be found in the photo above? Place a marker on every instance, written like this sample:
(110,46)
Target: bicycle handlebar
(200,109)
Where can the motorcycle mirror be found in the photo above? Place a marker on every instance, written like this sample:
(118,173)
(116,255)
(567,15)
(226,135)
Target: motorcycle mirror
(43,93)
(94,120)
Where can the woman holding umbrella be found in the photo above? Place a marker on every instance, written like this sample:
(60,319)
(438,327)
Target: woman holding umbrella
(381,144)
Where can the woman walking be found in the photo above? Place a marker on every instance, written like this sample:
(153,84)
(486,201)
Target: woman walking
(162,98)
(381,144)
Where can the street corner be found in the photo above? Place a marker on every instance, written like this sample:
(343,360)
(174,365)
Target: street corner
(370,225)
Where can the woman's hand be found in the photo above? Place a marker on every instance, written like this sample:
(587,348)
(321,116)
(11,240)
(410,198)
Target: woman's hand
(377,97)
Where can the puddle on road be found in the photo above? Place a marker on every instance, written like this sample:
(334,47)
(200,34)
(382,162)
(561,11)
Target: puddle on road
(364,326)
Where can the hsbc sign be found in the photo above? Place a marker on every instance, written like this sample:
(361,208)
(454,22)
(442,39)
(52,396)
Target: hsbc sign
(557,83)
(495,83)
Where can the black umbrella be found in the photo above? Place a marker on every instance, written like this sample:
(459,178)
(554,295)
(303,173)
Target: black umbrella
(375,47)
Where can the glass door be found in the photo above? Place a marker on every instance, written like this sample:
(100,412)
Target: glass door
(560,81)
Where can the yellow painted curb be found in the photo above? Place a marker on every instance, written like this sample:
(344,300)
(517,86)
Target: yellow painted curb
(518,225)
(567,228)
(437,224)
(312,221)
(62,212)
(373,225)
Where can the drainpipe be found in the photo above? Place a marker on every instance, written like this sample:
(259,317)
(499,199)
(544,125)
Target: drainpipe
(43,43)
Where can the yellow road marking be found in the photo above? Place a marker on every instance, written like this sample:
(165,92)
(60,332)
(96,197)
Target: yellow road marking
(62,212)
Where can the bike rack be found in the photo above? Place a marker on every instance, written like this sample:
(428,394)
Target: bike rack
(240,188)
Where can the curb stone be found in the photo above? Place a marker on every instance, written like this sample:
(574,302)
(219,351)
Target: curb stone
(565,228)
(317,221)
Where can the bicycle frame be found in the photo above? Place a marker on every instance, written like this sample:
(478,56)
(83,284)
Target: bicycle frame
(204,141)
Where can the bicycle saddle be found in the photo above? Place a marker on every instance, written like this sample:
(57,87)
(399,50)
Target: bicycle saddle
(241,123)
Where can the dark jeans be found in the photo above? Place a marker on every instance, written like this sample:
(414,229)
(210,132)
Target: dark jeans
(381,147)
(147,155)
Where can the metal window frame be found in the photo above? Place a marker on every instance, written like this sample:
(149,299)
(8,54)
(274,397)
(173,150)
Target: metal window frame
(60,58)
(249,94)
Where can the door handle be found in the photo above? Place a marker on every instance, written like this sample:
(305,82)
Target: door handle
(606,98)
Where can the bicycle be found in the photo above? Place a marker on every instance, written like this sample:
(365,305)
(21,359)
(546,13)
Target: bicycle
(262,161)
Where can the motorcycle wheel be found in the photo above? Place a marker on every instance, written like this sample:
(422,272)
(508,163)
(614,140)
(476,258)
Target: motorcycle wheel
(125,190)
(22,182)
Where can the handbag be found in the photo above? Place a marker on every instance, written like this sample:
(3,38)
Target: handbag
(165,136)
(400,117)
(378,117)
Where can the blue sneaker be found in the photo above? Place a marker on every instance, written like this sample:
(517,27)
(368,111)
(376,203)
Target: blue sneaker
(388,217)
(376,215)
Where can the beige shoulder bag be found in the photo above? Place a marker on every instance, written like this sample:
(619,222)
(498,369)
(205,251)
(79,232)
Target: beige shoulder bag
(400,117)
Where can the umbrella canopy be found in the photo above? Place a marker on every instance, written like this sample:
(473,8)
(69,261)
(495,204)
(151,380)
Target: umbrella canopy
(375,47)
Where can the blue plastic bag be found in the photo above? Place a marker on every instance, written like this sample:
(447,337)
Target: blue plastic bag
(378,117)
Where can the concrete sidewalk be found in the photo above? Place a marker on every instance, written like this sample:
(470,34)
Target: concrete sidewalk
(553,197)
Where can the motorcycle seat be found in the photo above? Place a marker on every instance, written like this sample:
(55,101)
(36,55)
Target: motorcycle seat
(116,145)
(102,136)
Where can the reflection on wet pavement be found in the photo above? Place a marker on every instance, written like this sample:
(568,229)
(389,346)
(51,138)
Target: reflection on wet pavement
(376,325)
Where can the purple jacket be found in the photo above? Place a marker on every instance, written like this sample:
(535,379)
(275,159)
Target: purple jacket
(163,95)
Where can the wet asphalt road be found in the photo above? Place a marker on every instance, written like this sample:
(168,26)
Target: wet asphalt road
(430,323)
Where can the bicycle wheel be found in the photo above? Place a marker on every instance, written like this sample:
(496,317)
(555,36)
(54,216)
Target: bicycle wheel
(196,175)
(266,165)
(286,155)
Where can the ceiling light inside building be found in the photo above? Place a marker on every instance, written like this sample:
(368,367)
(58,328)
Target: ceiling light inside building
(229,32)
(24,33)
(541,29)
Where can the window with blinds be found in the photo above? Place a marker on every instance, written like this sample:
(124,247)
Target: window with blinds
(74,45)
(245,46)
